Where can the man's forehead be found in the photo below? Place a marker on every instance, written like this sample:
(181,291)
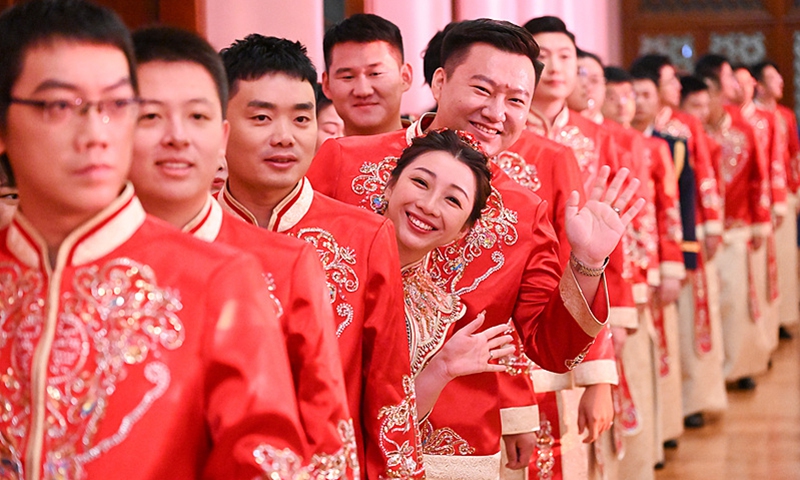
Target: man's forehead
(376,48)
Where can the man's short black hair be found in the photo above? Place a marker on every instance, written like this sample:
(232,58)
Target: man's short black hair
(584,54)
(548,24)
(648,67)
(432,58)
(362,28)
(502,35)
(27,25)
(321,99)
(691,84)
(709,66)
(170,44)
(257,55)
(616,75)
(757,70)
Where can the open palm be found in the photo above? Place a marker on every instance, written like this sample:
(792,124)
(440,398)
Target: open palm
(595,230)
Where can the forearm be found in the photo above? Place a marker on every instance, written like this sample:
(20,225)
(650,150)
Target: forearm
(429,384)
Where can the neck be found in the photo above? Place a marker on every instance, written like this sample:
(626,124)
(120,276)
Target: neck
(177,214)
(53,224)
(641,125)
(548,108)
(260,201)
(408,257)
(768,102)
(715,114)
(393,123)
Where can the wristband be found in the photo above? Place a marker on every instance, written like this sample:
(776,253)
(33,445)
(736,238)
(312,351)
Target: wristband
(583,269)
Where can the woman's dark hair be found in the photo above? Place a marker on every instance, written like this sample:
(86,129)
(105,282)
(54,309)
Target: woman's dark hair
(465,149)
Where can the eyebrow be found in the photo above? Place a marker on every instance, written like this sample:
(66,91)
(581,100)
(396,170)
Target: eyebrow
(434,176)
(153,101)
(53,84)
(272,106)
(484,78)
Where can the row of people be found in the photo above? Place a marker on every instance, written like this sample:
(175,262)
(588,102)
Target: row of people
(148,329)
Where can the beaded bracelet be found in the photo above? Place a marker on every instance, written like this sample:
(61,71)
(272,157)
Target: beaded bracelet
(583,269)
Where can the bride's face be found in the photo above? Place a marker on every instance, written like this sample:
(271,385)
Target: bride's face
(430,203)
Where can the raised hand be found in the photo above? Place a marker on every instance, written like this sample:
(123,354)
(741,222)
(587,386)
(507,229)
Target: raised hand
(468,352)
(595,230)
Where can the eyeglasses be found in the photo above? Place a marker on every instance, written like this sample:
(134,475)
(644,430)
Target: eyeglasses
(62,111)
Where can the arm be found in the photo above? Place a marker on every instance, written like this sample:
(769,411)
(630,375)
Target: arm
(249,393)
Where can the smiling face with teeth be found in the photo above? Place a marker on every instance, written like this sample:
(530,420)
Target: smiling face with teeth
(487,94)
(180,136)
(430,203)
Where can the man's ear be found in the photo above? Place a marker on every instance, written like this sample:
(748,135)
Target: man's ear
(226,132)
(437,82)
(326,89)
(407,75)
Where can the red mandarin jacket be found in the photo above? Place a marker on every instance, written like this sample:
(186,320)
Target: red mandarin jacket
(772,141)
(358,252)
(508,266)
(743,174)
(300,294)
(164,362)
(789,147)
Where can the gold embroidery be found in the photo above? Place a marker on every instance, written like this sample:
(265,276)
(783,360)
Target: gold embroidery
(337,261)
(429,312)
(519,170)
(495,228)
(583,147)
(371,183)
(443,441)
(280,464)
(270,280)
(403,457)
(335,466)
(115,316)
(676,128)
(545,462)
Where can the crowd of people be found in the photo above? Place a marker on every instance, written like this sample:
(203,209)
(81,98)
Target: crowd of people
(213,266)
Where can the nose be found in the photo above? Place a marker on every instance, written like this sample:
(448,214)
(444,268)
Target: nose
(281,134)
(176,132)
(362,86)
(494,109)
(427,204)
(94,130)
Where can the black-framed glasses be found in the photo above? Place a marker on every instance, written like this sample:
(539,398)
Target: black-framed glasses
(62,111)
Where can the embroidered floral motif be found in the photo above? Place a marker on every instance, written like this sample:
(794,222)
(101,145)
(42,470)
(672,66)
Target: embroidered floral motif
(495,228)
(735,152)
(643,238)
(443,441)
(583,147)
(115,316)
(429,312)
(341,278)
(403,458)
(286,465)
(371,183)
(336,466)
(518,169)
(571,364)
(545,462)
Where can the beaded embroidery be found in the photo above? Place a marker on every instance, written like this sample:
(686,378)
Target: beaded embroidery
(403,460)
(443,441)
(429,312)
(114,317)
(519,170)
(337,261)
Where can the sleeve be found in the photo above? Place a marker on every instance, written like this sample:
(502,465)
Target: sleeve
(759,187)
(793,162)
(389,409)
(251,410)
(551,314)
(668,217)
(326,168)
(600,364)
(709,200)
(518,410)
(777,171)
(317,369)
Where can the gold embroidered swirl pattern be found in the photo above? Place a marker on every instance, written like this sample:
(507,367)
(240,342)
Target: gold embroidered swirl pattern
(519,170)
